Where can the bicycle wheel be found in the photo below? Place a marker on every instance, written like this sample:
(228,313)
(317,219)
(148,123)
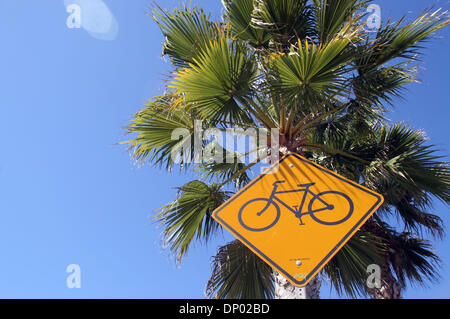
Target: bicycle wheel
(340,208)
(263,210)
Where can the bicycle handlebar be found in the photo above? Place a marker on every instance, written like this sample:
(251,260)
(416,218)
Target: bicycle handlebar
(306,185)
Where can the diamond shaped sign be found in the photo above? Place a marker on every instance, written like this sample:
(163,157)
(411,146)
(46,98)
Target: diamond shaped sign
(297,215)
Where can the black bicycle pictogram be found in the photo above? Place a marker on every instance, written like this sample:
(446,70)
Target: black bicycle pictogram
(297,209)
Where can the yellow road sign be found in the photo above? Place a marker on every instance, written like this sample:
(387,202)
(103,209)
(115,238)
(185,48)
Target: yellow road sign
(297,215)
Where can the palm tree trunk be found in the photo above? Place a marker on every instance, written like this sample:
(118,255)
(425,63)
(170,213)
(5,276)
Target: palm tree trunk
(391,288)
(285,290)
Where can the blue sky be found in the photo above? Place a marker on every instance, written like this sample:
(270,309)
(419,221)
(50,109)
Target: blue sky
(70,195)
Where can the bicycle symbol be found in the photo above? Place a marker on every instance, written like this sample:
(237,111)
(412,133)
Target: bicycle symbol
(297,209)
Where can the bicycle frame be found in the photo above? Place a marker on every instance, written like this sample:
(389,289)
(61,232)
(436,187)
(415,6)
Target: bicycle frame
(306,190)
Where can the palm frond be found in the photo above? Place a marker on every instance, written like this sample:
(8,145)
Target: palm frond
(286,20)
(187,32)
(154,128)
(239,14)
(402,157)
(347,270)
(415,218)
(222,75)
(188,218)
(231,165)
(377,85)
(237,273)
(411,257)
(395,40)
(415,260)
(311,74)
(397,163)
(345,128)
(332,15)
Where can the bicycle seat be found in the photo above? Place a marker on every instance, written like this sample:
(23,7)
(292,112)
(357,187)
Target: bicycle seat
(278,182)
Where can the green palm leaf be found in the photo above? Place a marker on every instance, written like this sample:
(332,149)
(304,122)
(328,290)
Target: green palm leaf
(408,172)
(402,41)
(397,163)
(377,85)
(414,217)
(286,20)
(189,216)
(222,76)
(239,14)
(230,167)
(407,257)
(402,157)
(239,273)
(313,73)
(154,128)
(187,32)
(347,270)
(414,259)
(332,15)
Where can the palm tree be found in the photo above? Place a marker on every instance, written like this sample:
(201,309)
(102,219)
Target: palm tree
(308,69)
